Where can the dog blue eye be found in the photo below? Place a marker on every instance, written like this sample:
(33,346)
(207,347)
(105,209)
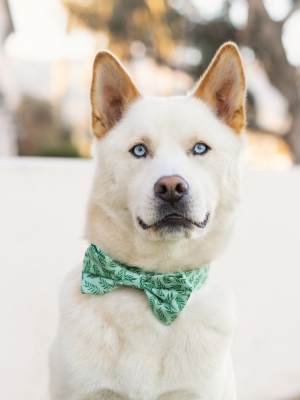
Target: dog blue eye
(139,150)
(200,148)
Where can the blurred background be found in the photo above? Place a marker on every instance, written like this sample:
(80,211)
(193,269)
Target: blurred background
(46,54)
(47,50)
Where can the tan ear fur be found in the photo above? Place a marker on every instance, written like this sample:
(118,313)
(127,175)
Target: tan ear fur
(112,92)
(223,87)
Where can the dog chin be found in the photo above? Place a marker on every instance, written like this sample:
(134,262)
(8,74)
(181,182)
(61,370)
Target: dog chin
(174,232)
(169,232)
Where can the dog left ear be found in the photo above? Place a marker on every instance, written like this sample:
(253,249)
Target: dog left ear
(111,94)
(223,87)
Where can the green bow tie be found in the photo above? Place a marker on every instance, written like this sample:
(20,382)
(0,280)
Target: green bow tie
(166,293)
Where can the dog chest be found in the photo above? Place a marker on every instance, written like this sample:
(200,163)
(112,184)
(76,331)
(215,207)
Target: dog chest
(114,341)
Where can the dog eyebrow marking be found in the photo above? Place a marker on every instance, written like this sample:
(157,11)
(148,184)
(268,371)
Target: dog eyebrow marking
(190,142)
(147,142)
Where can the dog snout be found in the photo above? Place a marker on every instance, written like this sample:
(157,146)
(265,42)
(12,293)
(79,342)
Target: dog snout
(171,188)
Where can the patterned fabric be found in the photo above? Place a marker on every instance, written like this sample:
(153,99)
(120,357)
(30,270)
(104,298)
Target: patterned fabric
(167,293)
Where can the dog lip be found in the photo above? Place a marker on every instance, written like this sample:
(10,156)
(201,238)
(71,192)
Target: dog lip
(143,224)
(203,223)
(174,217)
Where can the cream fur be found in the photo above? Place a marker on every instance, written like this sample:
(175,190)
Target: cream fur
(111,346)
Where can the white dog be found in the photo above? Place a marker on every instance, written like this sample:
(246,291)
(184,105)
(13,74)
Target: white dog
(164,200)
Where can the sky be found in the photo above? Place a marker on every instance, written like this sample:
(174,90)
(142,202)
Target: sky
(41,28)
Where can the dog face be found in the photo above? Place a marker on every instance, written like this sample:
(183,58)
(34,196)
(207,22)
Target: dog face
(167,168)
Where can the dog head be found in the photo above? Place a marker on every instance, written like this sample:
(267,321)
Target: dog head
(167,172)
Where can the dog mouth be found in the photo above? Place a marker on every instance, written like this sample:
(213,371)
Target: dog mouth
(174,220)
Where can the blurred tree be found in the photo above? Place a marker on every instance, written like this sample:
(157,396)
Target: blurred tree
(41,132)
(164,25)
(153,22)
(36,124)
(264,36)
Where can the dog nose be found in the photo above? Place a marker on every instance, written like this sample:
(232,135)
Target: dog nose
(171,188)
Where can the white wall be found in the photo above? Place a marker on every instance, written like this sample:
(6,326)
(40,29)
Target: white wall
(42,206)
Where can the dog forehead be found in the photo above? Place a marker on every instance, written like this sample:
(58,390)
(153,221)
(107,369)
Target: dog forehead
(171,116)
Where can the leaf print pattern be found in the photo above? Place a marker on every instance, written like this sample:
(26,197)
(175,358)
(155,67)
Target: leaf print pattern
(169,310)
(90,287)
(180,302)
(160,315)
(129,278)
(167,293)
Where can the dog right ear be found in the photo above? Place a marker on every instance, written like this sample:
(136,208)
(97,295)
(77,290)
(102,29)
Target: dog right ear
(111,94)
